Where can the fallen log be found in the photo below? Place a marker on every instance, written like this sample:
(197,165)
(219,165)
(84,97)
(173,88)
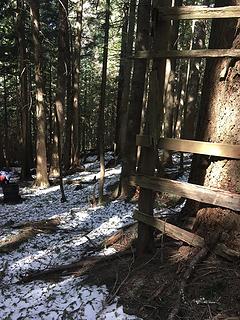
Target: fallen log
(16,240)
(41,224)
(117,236)
(28,230)
(78,267)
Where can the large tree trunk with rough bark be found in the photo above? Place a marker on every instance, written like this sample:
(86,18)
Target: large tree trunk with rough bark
(41,156)
(219,122)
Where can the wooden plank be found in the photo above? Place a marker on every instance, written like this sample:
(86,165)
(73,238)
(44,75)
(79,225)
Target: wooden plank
(183,235)
(171,230)
(198,12)
(190,191)
(190,54)
(200,147)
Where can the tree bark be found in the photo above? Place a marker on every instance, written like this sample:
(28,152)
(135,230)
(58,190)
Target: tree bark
(24,103)
(41,157)
(76,87)
(218,122)
(62,72)
(129,156)
(103,102)
(154,118)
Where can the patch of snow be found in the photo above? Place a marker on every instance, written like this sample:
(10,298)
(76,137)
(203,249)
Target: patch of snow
(81,229)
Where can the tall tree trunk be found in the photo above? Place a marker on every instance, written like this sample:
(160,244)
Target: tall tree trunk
(127,71)
(6,126)
(129,155)
(219,122)
(192,90)
(62,72)
(170,94)
(121,74)
(102,103)
(23,76)
(154,118)
(41,157)
(76,87)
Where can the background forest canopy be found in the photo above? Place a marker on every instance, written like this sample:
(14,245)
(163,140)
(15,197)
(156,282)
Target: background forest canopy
(69,50)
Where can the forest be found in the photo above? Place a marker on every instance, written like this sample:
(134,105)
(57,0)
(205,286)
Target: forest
(119,159)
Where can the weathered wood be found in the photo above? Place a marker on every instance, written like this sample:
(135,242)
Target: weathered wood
(190,191)
(28,231)
(200,147)
(191,54)
(198,12)
(171,230)
(183,235)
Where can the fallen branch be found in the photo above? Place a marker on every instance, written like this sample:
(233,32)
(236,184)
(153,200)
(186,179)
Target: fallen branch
(28,231)
(130,228)
(41,224)
(77,267)
(15,240)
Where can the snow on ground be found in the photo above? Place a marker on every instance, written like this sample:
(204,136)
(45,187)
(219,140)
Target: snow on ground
(81,227)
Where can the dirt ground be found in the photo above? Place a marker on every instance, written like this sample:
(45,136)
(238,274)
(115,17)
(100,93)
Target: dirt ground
(149,287)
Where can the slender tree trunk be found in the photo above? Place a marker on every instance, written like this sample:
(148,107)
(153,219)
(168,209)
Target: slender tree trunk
(170,94)
(69,107)
(6,125)
(121,74)
(129,155)
(23,76)
(41,157)
(154,118)
(76,86)
(219,122)
(102,103)
(191,108)
(62,72)
(128,64)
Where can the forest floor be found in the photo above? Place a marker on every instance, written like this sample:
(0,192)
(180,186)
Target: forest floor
(59,261)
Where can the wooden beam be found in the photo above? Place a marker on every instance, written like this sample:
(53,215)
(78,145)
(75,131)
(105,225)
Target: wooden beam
(198,12)
(171,230)
(231,151)
(200,147)
(183,235)
(188,54)
(190,191)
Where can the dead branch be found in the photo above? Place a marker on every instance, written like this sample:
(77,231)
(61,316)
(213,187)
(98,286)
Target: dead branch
(78,267)
(28,231)
(119,235)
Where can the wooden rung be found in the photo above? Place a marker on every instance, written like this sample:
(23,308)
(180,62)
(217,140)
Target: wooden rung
(202,194)
(198,12)
(231,151)
(183,235)
(200,147)
(190,54)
